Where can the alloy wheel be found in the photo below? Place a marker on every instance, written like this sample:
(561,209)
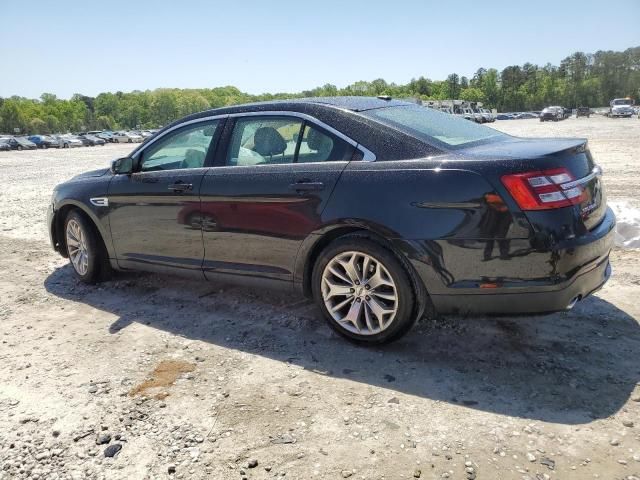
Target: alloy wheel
(77,247)
(359,293)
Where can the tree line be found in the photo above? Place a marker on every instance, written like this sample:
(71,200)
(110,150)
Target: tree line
(581,79)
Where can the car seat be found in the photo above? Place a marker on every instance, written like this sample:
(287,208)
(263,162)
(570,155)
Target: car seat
(268,142)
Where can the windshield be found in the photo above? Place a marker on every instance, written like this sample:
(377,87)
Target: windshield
(623,101)
(429,125)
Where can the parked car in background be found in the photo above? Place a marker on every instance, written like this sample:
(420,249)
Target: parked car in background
(4,144)
(552,113)
(91,140)
(412,210)
(468,114)
(44,141)
(525,115)
(68,141)
(21,143)
(504,116)
(583,112)
(126,137)
(143,133)
(106,136)
(621,107)
(487,115)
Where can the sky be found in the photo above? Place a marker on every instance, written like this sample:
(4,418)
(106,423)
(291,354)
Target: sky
(66,47)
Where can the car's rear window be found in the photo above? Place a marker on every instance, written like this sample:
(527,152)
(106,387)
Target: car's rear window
(433,126)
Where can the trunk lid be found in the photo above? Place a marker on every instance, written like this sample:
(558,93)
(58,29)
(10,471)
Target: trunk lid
(521,155)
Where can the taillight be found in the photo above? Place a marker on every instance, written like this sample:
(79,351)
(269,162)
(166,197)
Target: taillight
(543,190)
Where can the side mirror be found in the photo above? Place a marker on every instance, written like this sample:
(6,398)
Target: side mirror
(122,165)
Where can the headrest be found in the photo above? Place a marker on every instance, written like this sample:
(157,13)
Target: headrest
(267,141)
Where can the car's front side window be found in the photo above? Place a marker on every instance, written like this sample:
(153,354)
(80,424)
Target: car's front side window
(186,148)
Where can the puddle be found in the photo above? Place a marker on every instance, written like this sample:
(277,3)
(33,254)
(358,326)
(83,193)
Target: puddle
(164,375)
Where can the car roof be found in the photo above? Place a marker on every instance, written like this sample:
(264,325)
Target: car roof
(353,103)
(339,113)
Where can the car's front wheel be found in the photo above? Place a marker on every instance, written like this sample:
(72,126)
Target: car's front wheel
(84,247)
(364,291)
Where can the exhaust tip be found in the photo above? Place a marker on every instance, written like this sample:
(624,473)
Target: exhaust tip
(573,302)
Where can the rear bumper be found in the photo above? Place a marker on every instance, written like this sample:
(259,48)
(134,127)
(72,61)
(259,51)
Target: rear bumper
(535,281)
(535,301)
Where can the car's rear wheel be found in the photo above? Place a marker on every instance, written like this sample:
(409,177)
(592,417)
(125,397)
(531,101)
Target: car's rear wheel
(19,148)
(85,249)
(364,291)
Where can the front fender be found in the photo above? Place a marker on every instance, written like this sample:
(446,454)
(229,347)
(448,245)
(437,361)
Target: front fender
(78,194)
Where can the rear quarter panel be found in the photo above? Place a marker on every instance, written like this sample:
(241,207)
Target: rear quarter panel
(441,218)
(418,200)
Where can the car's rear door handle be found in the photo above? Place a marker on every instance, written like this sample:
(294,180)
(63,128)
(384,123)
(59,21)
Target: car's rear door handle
(180,187)
(306,186)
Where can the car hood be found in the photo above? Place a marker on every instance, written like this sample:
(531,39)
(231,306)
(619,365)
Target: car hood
(521,148)
(91,174)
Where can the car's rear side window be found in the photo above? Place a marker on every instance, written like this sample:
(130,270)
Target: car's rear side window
(259,141)
(433,126)
(278,140)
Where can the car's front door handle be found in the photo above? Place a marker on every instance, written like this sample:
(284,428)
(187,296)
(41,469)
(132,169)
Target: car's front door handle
(180,187)
(306,186)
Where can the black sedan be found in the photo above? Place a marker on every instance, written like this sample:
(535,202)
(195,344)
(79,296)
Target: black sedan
(380,210)
(21,143)
(91,140)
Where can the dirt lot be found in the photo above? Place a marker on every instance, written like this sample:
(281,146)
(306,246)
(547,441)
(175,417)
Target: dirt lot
(196,380)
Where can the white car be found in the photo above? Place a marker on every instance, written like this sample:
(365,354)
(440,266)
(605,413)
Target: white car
(487,115)
(126,137)
(68,141)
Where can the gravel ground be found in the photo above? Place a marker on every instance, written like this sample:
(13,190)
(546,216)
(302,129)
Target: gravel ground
(158,377)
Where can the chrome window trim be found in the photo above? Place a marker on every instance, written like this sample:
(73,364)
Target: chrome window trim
(367,155)
(153,140)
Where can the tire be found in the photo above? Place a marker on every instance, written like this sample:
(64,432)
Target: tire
(129,141)
(388,267)
(19,148)
(117,140)
(86,251)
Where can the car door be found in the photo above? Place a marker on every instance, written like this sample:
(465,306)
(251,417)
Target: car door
(274,177)
(154,212)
